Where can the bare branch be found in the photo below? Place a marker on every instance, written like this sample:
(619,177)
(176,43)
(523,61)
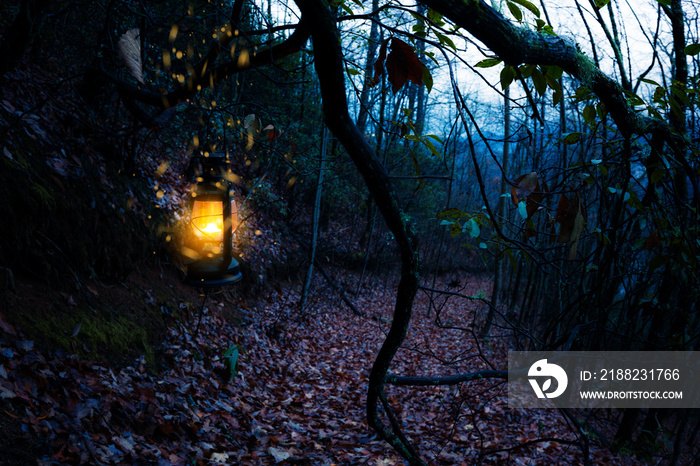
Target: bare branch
(167,100)
(449,380)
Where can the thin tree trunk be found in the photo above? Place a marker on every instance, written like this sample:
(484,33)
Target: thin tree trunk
(317,214)
(502,211)
(369,66)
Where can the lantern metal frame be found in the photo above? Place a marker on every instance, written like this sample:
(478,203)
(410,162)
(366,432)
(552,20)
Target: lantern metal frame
(212,184)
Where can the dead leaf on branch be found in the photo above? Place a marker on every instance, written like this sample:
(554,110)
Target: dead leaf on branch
(525,184)
(529,190)
(129,50)
(402,64)
(571,216)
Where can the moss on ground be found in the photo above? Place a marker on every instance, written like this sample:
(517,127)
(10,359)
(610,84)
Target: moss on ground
(112,323)
(93,334)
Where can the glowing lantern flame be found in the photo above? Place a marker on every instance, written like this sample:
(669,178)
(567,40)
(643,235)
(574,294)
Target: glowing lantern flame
(207,220)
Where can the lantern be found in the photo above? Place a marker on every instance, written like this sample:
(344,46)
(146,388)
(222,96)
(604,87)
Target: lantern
(213,221)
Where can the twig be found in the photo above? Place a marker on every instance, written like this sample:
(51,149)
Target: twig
(199,319)
(339,290)
(449,380)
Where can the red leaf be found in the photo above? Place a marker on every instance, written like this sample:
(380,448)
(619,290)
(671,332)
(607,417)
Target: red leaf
(526,184)
(379,64)
(567,211)
(403,65)
(652,241)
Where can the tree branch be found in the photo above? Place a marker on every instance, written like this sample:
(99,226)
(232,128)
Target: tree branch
(449,380)
(515,45)
(167,100)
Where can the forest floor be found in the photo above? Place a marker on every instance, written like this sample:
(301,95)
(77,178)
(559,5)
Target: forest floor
(297,398)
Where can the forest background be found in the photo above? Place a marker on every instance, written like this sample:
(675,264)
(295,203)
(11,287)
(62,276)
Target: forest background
(532,182)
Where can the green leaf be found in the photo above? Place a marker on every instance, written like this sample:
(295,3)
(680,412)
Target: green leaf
(526,70)
(572,138)
(431,147)
(452,213)
(446,40)
(488,62)
(435,17)
(659,95)
(692,49)
(522,209)
(657,175)
(539,81)
(651,81)
(553,71)
(427,79)
(601,110)
(601,3)
(515,11)
(346,8)
(664,2)
(352,71)
(589,114)
(473,228)
(530,6)
(231,360)
(432,136)
(557,96)
(507,76)
(681,94)
(633,98)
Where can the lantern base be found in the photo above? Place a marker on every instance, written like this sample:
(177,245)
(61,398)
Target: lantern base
(209,275)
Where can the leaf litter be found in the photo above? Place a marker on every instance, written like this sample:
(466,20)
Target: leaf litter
(297,396)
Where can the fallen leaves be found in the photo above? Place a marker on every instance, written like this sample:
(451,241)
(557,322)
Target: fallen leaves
(298,396)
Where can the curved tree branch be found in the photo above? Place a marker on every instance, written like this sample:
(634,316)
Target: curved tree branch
(329,67)
(209,75)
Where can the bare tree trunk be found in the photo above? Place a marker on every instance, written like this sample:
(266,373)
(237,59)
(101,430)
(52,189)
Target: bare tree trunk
(369,64)
(502,212)
(317,214)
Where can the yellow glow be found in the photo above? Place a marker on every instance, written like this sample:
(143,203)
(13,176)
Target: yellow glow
(173,33)
(208,220)
(243,59)
(162,168)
